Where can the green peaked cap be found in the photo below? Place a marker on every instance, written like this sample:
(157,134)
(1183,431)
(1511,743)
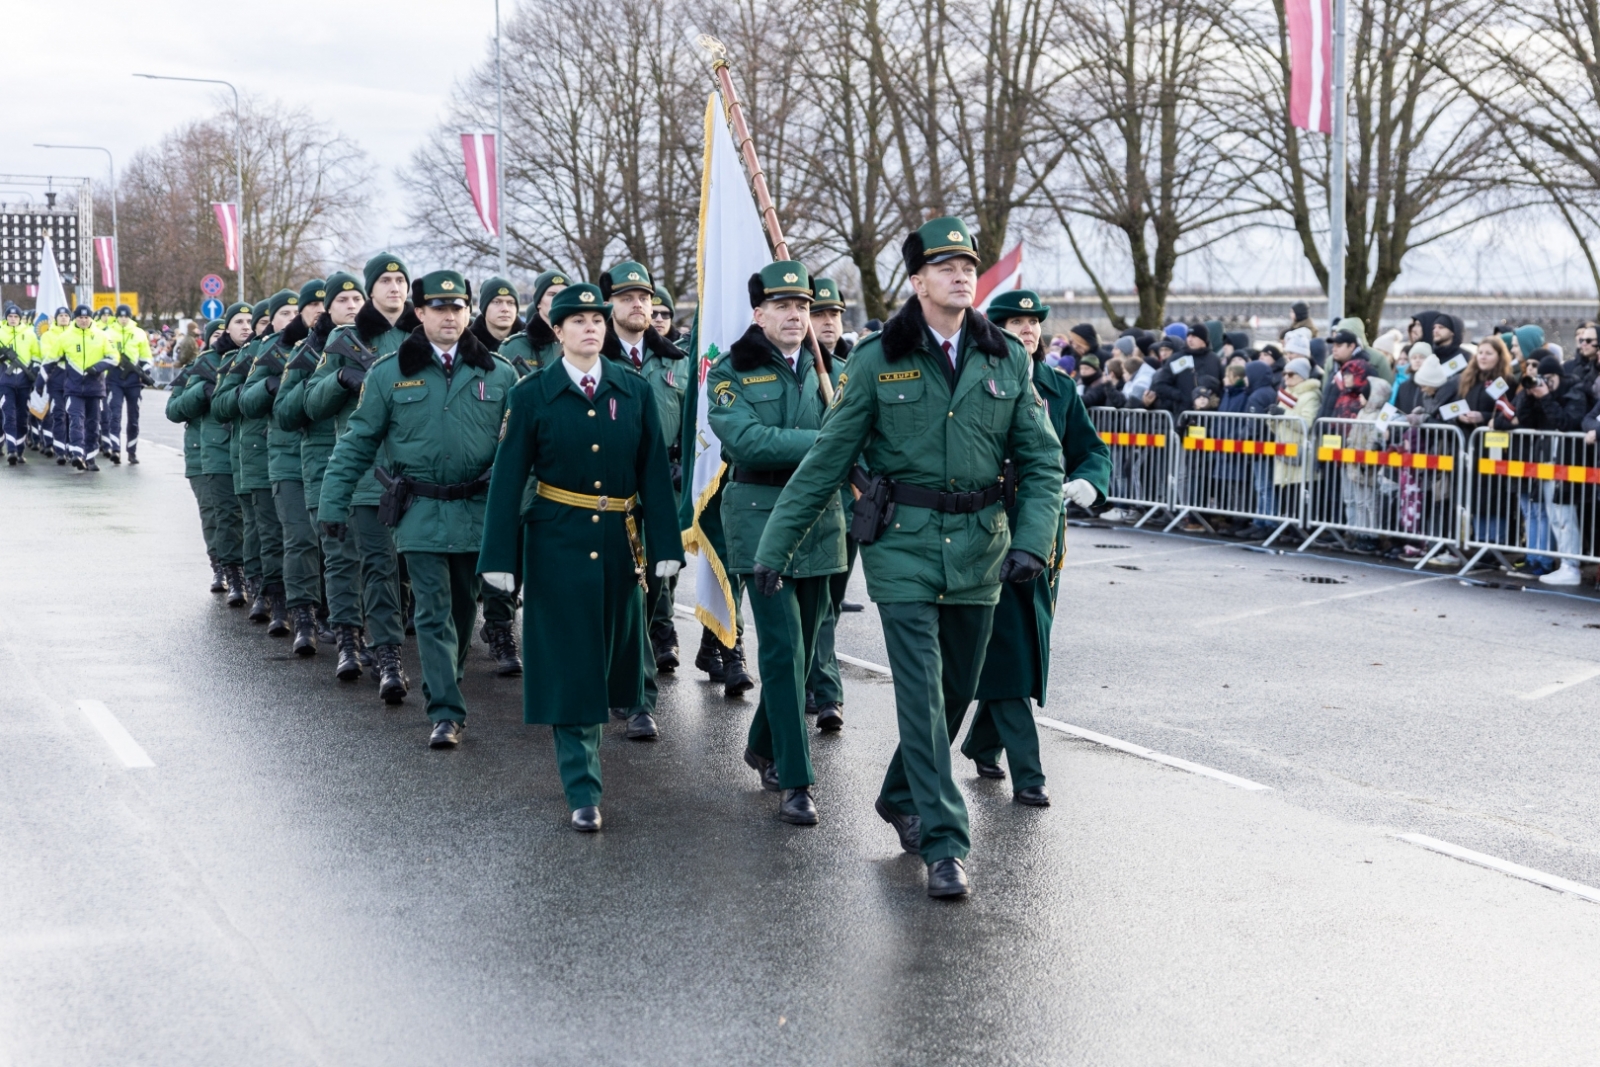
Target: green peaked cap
(1015,303)
(576,298)
(776,281)
(825,294)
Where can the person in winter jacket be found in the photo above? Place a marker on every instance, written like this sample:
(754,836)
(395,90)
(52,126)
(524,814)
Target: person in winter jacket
(1300,319)
(1551,403)
(1306,390)
(1099,390)
(1584,366)
(1361,480)
(1378,363)
(1448,334)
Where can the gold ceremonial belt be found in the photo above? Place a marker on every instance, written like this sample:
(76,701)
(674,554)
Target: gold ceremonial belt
(585,501)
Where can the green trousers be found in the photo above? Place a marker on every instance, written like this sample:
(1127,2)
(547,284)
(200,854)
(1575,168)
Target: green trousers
(269,535)
(380,576)
(252,536)
(578,759)
(499,607)
(936,653)
(341,577)
(786,632)
(208,522)
(302,563)
(446,588)
(1007,725)
(824,683)
(219,512)
(662,600)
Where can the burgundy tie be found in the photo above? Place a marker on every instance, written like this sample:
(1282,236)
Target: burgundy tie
(446,359)
(633,353)
(947,354)
(588,387)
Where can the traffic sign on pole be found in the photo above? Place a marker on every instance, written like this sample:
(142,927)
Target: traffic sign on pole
(211,285)
(212,308)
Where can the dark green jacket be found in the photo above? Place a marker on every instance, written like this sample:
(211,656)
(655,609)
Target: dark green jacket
(258,398)
(437,430)
(225,404)
(534,347)
(193,463)
(667,368)
(359,345)
(289,413)
(767,418)
(897,410)
(193,406)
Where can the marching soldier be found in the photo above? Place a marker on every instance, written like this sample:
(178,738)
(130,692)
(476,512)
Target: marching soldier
(193,461)
(225,406)
(935,403)
(381,325)
(125,384)
(19,370)
(536,346)
(662,309)
(587,430)
(824,687)
(497,319)
(766,409)
(1016,665)
(53,362)
(87,357)
(433,413)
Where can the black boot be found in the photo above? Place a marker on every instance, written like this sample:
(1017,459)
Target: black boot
(305,632)
(364,653)
(738,679)
(324,628)
(349,641)
(709,658)
(503,647)
(392,684)
(260,610)
(664,642)
(219,580)
(116,459)
(278,608)
(235,577)
(133,457)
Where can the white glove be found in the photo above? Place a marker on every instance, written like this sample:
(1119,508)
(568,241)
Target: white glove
(1080,492)
(502,581)
(667,568)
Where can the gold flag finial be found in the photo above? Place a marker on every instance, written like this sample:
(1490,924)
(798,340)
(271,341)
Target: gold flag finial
(717,50)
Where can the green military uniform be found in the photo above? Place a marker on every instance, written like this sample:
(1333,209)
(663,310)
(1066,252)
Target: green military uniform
(536,346)
(939,426)
(767,412)
(225,406)
(439,427)
(1016,666)
(601,464)
(193,473)
(193,406)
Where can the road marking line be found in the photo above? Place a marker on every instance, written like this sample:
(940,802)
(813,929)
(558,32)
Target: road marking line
(1138,555)
(866,665)
(1565,683)
(1320,600)
(121,742)
(1516,870)
(1144,753)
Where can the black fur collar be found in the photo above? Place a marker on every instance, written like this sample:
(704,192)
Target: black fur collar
(319,332)
(904,332)
(295,332)
(753,350)
(480,330)
(657,346)
(224,344)
(539,331)
(371,324)
(416,352)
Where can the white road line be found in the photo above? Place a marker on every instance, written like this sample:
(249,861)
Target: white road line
(1138,555)
(1220,619)
(169,448)
(1566,683)
(1144,753)
(1516,870)
(121,742)
(866,665)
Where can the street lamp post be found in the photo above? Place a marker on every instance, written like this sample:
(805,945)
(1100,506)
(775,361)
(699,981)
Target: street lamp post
(238,158)
(116,245)
(499,145)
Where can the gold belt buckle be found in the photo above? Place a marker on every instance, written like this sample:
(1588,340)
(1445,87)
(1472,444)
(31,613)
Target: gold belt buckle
(603,504)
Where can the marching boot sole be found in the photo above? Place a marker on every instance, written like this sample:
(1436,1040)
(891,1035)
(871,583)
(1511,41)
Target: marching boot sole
(349,674)
(305,648)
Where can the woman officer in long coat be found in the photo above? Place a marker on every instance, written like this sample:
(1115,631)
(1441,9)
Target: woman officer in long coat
(588,430)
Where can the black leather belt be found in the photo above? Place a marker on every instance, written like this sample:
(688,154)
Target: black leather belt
(432,491)
(917,497)
(773,478)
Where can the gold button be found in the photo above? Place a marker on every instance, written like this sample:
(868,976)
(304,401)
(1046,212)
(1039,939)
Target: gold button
(949,414)
(941,596)
(947,540)
(897,526)
(597,485)
(591,413)
(594,555)
(594,448)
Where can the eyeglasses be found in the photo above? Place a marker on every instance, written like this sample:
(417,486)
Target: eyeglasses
(661,314)
(1587,340)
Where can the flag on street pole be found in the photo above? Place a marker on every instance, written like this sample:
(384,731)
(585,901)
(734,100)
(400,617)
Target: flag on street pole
(1310,64)
(105,251)
(228,222)
(478,150)
(1004,276)
(732,246)
(52,294)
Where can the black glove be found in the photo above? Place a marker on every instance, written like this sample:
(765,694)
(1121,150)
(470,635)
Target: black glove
(351,378)
(335,530)
(33,375)
(209,389)
(1276,409)
(767,581)
(272,385)
(1020,566)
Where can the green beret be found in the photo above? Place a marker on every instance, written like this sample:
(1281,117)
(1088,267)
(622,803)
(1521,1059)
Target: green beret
(936,241)
(576,298)
(313,292)
(240,308)
(496,287)
(381,264)
(777,281)
(263,310)
(543,282)
(663,299)
(342,281)
(825,294)
(625,276)
(210,328)
(441,287)
(281,299)
(1017,303)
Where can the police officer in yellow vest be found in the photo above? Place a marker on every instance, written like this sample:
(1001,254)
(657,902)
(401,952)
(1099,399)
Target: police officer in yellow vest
(125,384)
(88,356)
(19,369)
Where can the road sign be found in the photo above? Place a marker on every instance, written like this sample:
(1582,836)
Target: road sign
(109,300)
(211,309)
(211,285)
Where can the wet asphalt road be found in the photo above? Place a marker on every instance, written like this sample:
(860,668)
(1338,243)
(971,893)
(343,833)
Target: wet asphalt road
(298,879)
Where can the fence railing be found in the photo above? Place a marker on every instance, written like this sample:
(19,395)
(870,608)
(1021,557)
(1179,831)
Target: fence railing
(1247,467)
(1141,457)
(1530,492)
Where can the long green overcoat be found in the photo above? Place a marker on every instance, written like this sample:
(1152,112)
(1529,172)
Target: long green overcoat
(193,460)
(193,406)
(360,344)
(289,413)
(258,398)
(583,616)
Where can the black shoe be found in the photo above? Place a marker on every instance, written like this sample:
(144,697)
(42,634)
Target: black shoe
(235,576)
(348,668)
(764,767)
(219,580)
(61,461)
(20,460)
(260,610)
(709,658)
(91,466)
(1035,796)
(116,458)
(797,808)
(830,718)
(664,643)
(77,464)
(305,632)
(278,626)
(737,680)
(909,827)
(446,733)
(503,647)
(851,605)
(989,770)
(948,878)
(11,460)
(392,685)
(586,820)
(811,702)
(641,727)
(133,458)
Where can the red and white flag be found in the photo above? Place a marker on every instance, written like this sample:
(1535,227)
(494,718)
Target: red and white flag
(1002,277)
(106,252)
(478,150)
(1311,64)
(228,221)
(1287,399)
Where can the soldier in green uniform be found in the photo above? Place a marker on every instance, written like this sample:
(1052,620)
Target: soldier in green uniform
(225,406)
(341,564)
(536,345)
(438,405)
(935,403)
(1017,663)
(497,320)
(381,325)
(587,430)
(194,460)
(824,687)
(662,309)
(300,591)
(766,409)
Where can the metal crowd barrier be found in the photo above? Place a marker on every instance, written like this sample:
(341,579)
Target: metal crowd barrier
(1392,480)
(1251,467)
(1532,493)
(1141,444)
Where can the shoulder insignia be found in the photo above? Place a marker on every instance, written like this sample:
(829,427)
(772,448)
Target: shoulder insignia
(899,375)
(411,383)
(724,398)
(722,387)
(838,394)
(1037,399)
(758,379)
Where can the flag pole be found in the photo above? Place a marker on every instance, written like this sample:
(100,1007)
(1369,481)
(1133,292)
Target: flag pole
(758,185)
(1336,173)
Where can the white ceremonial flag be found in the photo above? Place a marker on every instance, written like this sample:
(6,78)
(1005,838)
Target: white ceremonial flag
(52,294)
(732,246)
